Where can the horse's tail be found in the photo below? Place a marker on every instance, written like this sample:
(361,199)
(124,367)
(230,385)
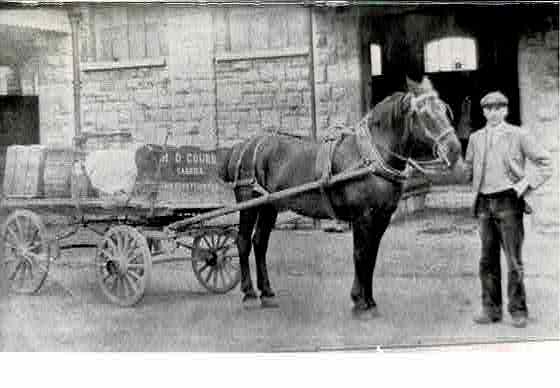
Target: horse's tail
(224,157)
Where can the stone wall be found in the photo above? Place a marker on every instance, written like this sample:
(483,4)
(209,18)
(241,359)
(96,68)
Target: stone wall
(190,35)
(131,101)
(256,95)
(48,74)
(337,68)
(173,94)
(204,103)
(9,80)
(539,95)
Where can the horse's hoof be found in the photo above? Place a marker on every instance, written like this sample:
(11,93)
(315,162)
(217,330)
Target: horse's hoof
(365,314)
(268,302)
(250,302)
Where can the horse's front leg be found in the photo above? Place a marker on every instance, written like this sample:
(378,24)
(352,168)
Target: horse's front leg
(265,223)
(367,233)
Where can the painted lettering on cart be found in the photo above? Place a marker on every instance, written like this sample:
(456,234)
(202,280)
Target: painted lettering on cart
(188,163)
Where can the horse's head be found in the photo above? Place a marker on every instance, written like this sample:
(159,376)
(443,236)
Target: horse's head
(431,121)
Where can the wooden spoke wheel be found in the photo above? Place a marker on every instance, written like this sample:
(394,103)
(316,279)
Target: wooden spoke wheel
(24,255)
(123,265)
(216,260)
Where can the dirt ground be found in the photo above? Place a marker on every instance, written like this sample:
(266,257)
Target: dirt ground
(425,284)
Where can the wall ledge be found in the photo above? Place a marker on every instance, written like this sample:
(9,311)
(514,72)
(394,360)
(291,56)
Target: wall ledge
(262,54)
(118,65)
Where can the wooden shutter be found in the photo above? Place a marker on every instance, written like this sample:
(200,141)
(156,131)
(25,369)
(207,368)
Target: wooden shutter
(154,23)
(258,29)
(104,43)
(119,34)
(278,27)
(239,30)
(297,18)
(136,32)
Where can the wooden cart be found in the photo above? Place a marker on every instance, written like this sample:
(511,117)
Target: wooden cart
(132,236)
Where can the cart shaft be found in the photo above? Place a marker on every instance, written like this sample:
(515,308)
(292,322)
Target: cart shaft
(272,197)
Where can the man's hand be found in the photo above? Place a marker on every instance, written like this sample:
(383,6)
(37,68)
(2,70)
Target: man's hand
(462,171)
(521,187)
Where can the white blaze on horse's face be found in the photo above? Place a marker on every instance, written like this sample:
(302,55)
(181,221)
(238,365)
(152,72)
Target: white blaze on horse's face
(434,125)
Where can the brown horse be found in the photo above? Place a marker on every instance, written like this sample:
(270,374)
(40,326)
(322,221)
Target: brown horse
(382,140)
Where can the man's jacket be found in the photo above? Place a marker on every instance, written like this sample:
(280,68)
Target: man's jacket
(521,146)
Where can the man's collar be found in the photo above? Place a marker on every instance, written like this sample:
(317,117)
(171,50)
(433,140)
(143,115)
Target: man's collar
(496,128)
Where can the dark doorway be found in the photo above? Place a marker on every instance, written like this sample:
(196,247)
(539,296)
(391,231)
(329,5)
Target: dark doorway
(403,33)
(19,120)
(19,123)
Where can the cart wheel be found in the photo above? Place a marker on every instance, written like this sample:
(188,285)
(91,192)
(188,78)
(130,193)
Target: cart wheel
(123,265)
(216,260)
(25,251)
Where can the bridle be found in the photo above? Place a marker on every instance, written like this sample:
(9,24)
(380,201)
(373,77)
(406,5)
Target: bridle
(370,149)
(416,107)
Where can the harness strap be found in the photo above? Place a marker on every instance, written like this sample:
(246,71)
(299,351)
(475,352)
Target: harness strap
(329,146)
(240,160)
(252,180)
(372,158)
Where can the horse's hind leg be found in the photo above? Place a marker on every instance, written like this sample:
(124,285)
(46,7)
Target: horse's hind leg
(247,220)
(265,224)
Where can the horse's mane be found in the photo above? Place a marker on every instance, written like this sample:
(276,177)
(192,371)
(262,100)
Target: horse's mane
(389,113)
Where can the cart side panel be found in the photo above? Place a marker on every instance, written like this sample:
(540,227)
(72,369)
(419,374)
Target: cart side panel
(181,177)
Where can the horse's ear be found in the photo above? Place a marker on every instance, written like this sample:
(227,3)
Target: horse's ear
(426,84)
(411,84)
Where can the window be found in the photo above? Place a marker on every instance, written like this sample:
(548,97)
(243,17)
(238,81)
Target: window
(450,54)
(254,28)
(375,57)
(129,32)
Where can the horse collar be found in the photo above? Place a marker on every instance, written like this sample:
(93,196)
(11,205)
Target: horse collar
(370,153)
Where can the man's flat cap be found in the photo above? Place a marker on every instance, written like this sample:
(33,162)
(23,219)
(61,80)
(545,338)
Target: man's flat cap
(494,98)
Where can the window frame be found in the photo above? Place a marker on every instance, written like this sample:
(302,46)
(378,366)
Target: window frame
(97,61)
(442,66)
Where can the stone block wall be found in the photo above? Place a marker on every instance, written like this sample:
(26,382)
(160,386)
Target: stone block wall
(9,80)
(48,74)
(539,97)
(337,69)
(134,101)
(173,95)
(190,36)
(205,102)
(256,95)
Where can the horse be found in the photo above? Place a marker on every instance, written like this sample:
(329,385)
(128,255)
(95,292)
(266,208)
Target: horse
(382,140)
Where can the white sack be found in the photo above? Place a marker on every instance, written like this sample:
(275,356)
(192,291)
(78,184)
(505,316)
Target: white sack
(112,171)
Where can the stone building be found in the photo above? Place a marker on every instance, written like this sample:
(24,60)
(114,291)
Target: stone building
(36,61)
(211,75)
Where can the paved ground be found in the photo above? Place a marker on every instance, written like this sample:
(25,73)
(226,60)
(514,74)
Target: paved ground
(425,284)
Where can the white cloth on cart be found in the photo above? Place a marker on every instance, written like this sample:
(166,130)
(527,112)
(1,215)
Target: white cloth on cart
(113,171)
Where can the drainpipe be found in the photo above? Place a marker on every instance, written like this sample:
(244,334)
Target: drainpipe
(312,80)
(75,16)
(312,83)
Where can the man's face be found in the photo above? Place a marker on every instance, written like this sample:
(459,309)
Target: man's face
(495,114)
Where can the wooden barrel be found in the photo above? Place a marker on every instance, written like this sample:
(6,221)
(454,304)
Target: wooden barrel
(24,171)
(57,173)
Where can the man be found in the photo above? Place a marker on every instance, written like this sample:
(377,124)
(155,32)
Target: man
(495,163)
